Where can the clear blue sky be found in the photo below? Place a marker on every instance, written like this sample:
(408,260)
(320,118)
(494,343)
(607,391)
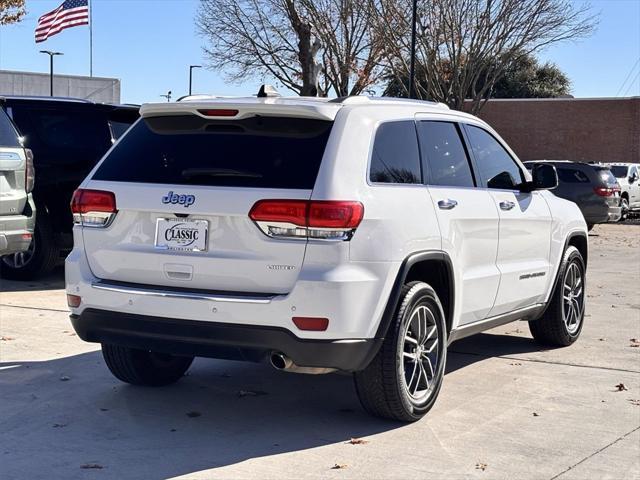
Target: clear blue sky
(148,44)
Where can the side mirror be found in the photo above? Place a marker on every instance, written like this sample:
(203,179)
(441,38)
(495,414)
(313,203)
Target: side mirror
(545,177)
(633,178)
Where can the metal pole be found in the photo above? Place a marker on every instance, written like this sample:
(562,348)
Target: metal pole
(191,67)
(90,39)
(51,75)
(412,72)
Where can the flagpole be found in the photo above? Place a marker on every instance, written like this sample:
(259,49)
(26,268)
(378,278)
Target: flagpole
(90,39)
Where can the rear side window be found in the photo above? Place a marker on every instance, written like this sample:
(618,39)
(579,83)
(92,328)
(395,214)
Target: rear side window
(8,134)
(619,171)
(444,153)
(260,152)
(395,157)
(607,177)
(495,165)
(571,175)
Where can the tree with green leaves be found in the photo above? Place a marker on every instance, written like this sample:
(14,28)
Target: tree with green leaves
(523,78)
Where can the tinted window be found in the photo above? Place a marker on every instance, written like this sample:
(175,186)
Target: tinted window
(494,163)
(571,175)
(442,149)
(8,134)
(607,177)
(66,135)
(395,157)
(619,171)
(261,152)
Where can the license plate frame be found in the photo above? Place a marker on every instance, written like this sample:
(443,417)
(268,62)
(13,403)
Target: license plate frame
(181,234)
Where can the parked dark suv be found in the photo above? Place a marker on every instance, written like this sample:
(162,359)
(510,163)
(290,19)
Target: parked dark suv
(67,138)
(591,186)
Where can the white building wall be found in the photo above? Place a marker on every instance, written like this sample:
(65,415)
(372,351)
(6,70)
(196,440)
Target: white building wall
(97,89)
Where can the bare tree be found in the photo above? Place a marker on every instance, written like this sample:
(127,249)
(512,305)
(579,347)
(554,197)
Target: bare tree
(310,47)
(11,11)
(464,47)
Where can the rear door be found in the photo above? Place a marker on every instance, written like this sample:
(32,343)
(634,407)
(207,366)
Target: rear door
(467,216)
(525,224)
(184,173)
(13,195)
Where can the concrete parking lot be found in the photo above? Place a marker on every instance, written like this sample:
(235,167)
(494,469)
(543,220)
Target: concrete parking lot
(508,408)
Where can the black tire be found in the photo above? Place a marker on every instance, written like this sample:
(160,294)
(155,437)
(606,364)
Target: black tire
(42,257)
(382,387)
(624,205)
(557,326)
(141,367)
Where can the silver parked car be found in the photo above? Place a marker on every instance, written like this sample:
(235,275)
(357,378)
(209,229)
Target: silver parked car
(17,210)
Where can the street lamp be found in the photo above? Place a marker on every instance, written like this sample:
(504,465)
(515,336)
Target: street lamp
(167,96)
(51,55)
(412,72)
(191,67)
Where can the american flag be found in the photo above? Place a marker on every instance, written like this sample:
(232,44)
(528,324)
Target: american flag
(70,14)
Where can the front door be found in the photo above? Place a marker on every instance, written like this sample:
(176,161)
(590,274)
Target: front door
(523,257)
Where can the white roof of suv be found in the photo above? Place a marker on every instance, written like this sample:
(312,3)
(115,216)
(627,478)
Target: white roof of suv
(306,107)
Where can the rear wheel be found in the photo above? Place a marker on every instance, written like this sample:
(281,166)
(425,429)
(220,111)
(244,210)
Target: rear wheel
(141,367)
(403,381)
(41,257)
(562,322)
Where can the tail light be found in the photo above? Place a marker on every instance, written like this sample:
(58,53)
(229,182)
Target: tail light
(29,173)
(606,191)
(93,208)
(320,220)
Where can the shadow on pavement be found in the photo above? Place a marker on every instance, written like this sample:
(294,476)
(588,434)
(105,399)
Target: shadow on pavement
(221,413)
(52,281)
(486,345)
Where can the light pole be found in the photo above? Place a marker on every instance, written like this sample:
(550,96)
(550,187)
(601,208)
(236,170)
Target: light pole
(51,55)
(191,67)
(167,96)
(412,72)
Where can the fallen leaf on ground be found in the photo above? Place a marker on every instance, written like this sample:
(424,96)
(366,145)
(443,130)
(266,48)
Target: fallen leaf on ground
(339,466)
(634,342)
(91,465)
(481,466)
(536,414)
(6,339)
(635,401)
(602,339)
(357,441)
(251,393)
(193,414)
(621,387)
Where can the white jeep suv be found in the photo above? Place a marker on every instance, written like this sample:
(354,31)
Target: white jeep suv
(356,234)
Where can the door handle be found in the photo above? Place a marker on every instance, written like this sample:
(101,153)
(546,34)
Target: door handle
(447,204)
(507,205)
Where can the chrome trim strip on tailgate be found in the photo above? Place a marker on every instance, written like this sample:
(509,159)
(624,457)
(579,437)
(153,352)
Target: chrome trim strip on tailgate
(171,293)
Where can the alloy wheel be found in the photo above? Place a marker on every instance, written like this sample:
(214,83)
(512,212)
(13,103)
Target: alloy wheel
(420,353)
(573,298)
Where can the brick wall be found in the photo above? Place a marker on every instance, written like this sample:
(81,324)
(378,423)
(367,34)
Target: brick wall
(606,129)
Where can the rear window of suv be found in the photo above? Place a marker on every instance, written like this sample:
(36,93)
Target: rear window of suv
(259,152)
(8,134)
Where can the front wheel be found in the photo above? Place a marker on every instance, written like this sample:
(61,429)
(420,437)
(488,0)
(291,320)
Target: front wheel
(141,367)
(562,322)
(403,381)
(624,207)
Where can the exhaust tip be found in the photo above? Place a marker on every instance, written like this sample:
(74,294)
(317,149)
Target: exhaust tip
(280,362)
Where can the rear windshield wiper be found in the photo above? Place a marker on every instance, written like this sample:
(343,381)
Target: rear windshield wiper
(218,172)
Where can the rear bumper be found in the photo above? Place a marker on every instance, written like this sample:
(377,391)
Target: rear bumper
(220,340)
(602,214)
(16,230)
